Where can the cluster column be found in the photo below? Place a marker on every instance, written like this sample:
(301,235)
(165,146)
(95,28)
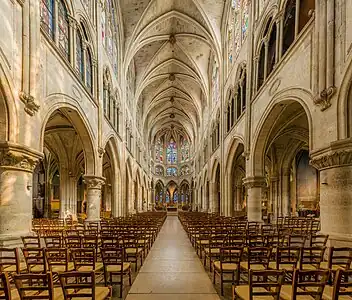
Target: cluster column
(16,179)
(256,187)
(94,186)
(335,166)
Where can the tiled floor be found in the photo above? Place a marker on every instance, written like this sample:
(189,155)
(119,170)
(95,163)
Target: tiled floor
(172,269)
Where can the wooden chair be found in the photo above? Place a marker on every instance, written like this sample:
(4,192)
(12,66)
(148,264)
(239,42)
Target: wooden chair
(10,261)
(82,285)
(229,263)
(306,284)
(92,242)
(318,240)
(35,260)
(258,259)
(73,242)
(262,284)
(311,258)
(342,285)
(42,289)
(84,259)
(339,258)
(5,288)
(31,241)
(53,241)
(286,258)
(132,252)
(58,260)
(212,249)
(114,264)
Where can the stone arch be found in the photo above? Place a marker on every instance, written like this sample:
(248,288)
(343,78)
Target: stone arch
(9,119)
(111,148)
(128,205)
(81,125)
(269,119)
(344,107)
(281,135)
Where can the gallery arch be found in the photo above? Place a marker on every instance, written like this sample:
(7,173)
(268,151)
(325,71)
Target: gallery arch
(284,182)
(60,186)
(235,173)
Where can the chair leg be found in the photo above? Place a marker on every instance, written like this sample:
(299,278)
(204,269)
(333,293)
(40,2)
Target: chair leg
(221,284)
(130,277)
(214,277)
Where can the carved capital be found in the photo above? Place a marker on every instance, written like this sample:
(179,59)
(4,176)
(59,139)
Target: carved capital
(30,106)
(323,99)
(254,182)
(17,157)
(337,155)
(101,151)
(94,182)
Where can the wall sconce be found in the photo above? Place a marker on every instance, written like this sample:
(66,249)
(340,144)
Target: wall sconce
(29,186)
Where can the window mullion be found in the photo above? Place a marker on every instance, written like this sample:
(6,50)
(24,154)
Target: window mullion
(56,22)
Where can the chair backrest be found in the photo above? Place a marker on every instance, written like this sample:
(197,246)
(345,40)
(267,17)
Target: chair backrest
(73,242)
(340,257)
(78,285)
(35,260)
(233,239)
(109,242)
(31,241)
(9,260)
(42,289)
(5,289)
(311,256)
(113,257)
(309,283)
(231,254)
(53,241)
(259,256)
(256,240)
(84,257)
(318,240)
(287,257)
(342,284)
(265,283)
(57,257)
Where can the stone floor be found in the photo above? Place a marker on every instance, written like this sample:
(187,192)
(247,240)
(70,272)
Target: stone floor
(172,269)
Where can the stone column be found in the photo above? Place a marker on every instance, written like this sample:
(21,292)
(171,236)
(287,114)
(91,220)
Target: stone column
(214,207)
(16,179)
(335,166)
(94,185)
(285,194)
(238,197)
(255,189)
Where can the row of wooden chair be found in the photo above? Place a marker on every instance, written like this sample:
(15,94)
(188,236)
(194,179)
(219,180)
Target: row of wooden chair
(30,286)
(306,284)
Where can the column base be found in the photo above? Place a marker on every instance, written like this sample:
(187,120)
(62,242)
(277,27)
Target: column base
(338,240)
(14,240)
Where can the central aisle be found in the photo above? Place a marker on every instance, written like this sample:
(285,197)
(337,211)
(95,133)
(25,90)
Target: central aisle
(172,269)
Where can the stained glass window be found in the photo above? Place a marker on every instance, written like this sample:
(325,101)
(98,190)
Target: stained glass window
(79,55)
(167,198)
(109,30)
(171,152)
(47,16)
(184,150)
(63,29)
(159,151)
(171,172)
(175,196)
(237,27)
(89,71)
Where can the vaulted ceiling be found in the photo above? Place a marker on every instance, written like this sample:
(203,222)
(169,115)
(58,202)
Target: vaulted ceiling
(171,43)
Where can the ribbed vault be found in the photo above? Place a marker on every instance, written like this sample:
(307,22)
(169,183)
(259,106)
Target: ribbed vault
(170,43)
